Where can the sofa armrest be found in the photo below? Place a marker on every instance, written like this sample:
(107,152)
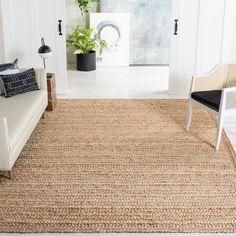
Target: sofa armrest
(4,145)
(41,78)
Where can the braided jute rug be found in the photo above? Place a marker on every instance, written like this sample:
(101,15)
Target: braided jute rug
(121,166)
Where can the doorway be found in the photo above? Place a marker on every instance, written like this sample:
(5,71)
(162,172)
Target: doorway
(147,76)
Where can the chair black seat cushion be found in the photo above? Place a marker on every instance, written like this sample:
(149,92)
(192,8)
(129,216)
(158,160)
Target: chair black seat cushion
(210,99)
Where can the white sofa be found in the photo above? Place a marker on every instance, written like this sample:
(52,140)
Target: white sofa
(19,116)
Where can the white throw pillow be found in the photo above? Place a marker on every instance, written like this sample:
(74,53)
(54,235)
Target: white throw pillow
(7,72)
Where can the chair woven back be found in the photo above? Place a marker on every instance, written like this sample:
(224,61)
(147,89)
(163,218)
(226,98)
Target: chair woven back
(213,81)
(231,76)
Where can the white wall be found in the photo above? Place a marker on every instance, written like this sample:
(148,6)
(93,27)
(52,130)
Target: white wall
(210,34)
(229,46)
(73,16)
(214,46)
(183,46)
(24,23)
(8,37)
(1,38)
(216,37)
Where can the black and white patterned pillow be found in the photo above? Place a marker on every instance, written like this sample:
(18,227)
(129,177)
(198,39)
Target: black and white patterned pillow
(7,72)
(19,83)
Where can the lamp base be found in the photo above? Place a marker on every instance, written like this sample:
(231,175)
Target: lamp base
(50,75)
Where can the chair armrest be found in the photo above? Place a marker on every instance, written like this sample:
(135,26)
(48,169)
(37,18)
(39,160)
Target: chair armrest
(230,90)
(4,145)
(214,80)
(229,98)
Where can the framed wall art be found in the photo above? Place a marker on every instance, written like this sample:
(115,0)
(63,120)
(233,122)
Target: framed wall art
(115,29)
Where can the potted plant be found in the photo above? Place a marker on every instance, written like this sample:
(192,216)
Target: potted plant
(85,5)
(84,44)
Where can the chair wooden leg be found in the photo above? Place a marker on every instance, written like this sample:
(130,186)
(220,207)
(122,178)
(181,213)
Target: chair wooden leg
(219,133)
(190,114)
(7,174)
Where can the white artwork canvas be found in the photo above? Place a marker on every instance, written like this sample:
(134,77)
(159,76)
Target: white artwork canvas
(150,30)
(115,29)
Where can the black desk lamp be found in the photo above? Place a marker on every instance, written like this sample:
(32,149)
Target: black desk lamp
(44,52)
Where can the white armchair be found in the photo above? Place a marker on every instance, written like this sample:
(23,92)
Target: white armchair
(216,93)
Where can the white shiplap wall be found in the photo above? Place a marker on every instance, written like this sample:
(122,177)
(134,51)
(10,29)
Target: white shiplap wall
(73,16)
(1,38)
(210,32)
(229,48)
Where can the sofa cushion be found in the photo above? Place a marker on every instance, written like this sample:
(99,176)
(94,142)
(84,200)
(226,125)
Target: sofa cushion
(19,83)
(19,111)
(210,99)
(9,66)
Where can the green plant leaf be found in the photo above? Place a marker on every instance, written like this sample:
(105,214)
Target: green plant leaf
(78,51)
(83,40)
(84,5)
(100,51)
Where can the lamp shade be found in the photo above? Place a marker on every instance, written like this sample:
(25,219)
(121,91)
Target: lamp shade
(44,51)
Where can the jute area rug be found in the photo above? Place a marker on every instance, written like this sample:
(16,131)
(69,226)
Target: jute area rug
(121,166)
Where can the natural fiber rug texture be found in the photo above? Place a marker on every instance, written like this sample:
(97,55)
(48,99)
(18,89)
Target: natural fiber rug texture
(121,166)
